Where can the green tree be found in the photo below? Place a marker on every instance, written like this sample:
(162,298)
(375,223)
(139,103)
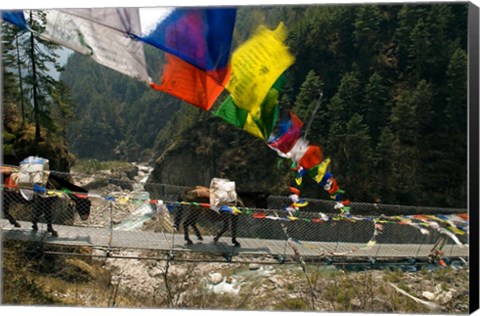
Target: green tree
(418,51)
(455,129)
(368,42)
(408,16)
(307,97)
(425,138)
(306,105)
(384,172)
(376,105)
(349,94)
(403,122)
(423,103)
(40,56)
(336,136)
(441,42)
(358,157)
(12,68)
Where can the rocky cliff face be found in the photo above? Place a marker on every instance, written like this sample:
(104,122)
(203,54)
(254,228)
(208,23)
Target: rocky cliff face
(214,149)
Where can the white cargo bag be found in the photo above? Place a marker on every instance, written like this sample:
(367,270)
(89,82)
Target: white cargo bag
(33,170)
(222,192)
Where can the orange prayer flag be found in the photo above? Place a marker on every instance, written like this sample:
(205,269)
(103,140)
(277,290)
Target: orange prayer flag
(191,84)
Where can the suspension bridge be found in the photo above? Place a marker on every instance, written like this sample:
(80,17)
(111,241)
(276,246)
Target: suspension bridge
(122,217)
(101,238)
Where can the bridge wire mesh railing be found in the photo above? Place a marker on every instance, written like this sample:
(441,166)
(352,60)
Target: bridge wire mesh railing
(126,214)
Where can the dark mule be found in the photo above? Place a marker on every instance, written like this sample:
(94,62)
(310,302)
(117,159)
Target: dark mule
(43,205)
(201,195)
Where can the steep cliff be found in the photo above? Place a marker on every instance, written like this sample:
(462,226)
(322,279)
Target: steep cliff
(211,148)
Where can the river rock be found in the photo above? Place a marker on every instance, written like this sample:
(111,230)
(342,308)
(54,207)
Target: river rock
(253,266)
(215,278)
(277,280)
(428,295)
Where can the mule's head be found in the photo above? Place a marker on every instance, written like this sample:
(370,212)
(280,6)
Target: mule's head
(82,205)
(253,199)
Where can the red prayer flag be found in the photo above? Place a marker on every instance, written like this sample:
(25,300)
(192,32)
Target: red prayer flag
(312,157)
(294,190)
(286,141)
(334,188)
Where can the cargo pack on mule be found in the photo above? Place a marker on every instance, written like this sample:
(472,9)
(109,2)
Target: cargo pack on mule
(31,184)
(221,193)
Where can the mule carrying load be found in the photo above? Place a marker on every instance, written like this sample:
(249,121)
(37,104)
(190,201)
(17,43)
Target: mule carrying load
(221,193)
(28,184)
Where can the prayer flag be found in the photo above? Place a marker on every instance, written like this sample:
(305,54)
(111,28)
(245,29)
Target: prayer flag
(15,17)
(296,153)
(261,125)
(189,83)
(197,42)
(312,157)
(101,34)
(285,142)
(200,36)
(317,173)
(238,117)
(256,65)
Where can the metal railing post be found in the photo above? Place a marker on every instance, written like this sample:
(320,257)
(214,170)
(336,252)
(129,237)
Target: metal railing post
(110,206)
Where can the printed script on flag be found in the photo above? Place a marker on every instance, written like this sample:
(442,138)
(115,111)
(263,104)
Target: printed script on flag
(256,65)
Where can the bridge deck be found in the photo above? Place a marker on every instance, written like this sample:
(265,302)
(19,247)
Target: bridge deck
(103,237)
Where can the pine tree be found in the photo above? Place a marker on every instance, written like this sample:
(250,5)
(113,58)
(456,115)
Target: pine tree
(12,68)
(418,52)
(384,171)
(367,36)
(408,16)
(405,156)
(425,139)
(376,105)
(307,97)
(350,95)
(40,56)
(306,105)
(455,114)
(437,23)
(358,170)
(336,134)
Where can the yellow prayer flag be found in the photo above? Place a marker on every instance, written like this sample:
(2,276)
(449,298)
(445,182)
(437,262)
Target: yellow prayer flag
(236,211)
(252,127)
(322,169)
(256,65)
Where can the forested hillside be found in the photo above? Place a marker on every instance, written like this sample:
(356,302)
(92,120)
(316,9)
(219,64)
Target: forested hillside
(393,118)
(117,117)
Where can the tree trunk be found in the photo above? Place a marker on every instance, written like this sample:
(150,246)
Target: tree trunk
(21,85)
(36,110)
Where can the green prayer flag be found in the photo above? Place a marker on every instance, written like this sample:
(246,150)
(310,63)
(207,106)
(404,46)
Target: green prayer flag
(231,113)
(260,125)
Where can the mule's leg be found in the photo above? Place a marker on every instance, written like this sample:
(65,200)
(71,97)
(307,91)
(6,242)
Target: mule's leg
(178,218)
(37,211)
(186,223)
(224,229)
(48,202)
(193,223)
(234,219)
(10,218)
(6,206)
